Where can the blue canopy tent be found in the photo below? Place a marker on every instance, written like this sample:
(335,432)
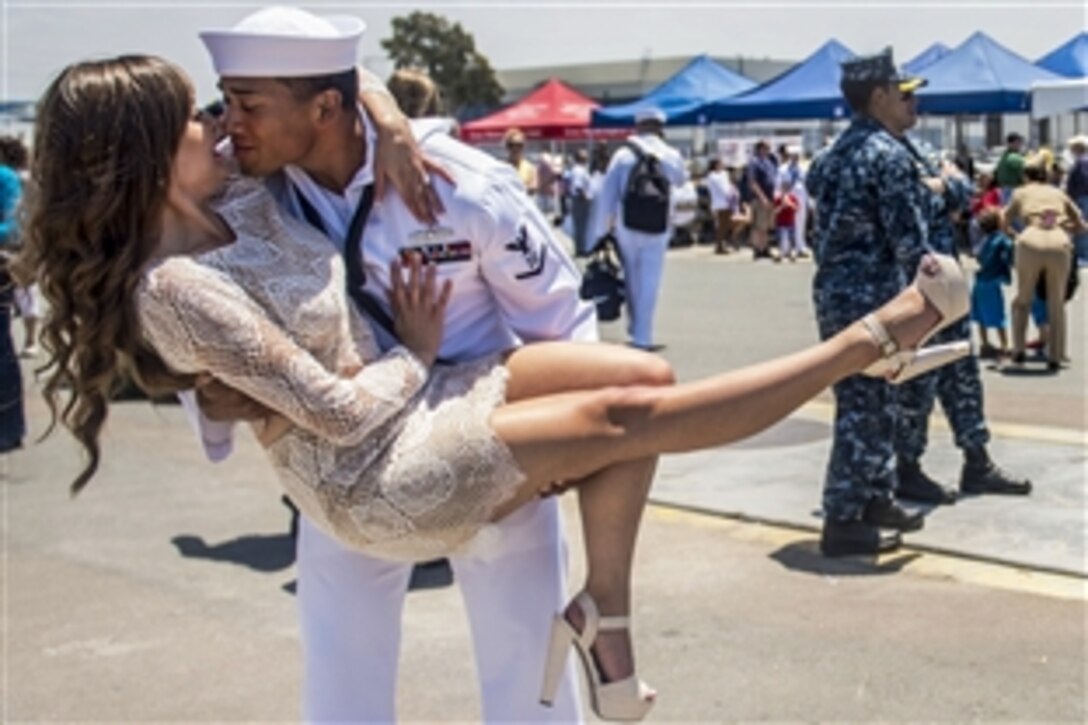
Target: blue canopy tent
(927,57)
(980,76)
(699,81)
(808,90)
(1069,59)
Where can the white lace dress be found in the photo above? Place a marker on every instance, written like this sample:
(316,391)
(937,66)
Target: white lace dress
(391,461)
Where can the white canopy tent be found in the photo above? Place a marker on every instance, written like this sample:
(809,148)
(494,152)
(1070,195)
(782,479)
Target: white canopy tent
(1049,98)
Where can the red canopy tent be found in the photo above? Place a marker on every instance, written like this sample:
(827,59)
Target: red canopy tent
(554,111)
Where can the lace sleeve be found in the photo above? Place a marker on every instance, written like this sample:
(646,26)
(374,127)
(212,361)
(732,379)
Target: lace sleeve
(202,322)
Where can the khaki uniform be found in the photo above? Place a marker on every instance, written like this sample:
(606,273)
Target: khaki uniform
(1043,249)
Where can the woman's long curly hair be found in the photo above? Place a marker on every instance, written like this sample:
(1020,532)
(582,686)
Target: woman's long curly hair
(105,140)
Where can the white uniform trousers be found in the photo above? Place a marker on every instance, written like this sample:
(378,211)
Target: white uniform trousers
(511,597)
(800,221)
(643,265)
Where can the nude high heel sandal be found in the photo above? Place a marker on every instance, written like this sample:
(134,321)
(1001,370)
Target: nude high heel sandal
(947,291)
(626,699)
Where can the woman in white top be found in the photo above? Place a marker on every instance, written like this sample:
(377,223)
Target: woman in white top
(724,202)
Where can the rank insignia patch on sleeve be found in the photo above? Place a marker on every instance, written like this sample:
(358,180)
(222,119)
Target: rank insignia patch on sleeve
(531,250)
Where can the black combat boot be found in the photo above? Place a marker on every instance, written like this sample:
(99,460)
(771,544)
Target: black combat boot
(856,538)
(982,475)
(886,513)
(915,485)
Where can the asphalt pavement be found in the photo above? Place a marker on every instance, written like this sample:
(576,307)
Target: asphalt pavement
(165,592)
(1037,422)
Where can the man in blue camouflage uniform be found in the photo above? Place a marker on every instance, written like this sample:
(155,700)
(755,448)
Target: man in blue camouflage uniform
(958,386)
(870,226)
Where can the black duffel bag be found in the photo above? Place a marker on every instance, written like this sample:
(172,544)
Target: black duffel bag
(602,282)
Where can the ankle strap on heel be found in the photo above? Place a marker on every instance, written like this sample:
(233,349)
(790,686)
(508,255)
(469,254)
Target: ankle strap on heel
(593,622)
(614,623)
(883,340)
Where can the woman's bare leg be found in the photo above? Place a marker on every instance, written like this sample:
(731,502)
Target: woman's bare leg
(548,368)
(566,367)
(571,435)
(610,526)
(601,440)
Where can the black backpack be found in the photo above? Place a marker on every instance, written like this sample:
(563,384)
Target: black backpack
(646,198)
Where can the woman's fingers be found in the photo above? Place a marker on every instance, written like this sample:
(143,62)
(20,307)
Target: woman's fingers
(430,286)
(380,186)
(417,194)
(414,287)
(402,165)
(413,279)
(434,202)
(401,293)
(416,186)
(444,297)
(434,168)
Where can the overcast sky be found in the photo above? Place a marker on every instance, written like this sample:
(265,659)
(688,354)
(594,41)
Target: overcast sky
(41,36)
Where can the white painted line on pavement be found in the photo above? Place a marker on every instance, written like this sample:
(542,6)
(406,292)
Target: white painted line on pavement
(924,563)
(824,412)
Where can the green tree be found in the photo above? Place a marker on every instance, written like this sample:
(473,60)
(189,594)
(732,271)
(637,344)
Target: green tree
(448,53)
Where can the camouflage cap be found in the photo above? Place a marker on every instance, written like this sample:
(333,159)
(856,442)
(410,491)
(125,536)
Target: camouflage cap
(878,70)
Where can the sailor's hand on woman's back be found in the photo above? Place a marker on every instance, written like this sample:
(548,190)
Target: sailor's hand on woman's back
(222,403)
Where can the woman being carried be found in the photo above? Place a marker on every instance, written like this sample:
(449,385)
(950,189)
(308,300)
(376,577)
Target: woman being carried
(157,261)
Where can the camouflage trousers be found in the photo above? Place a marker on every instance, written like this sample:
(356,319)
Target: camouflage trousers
(958,387)
(862,463)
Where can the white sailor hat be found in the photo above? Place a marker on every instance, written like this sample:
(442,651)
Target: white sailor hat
(283,42)
(649,114)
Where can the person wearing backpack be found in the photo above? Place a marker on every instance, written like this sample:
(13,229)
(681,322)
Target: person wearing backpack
(634,203)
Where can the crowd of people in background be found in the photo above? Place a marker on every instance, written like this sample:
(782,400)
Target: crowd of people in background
(717,203)
(762,206)
(1021,189)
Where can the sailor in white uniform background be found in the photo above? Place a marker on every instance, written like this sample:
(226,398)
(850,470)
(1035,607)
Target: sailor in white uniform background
(643,253)
(512,281)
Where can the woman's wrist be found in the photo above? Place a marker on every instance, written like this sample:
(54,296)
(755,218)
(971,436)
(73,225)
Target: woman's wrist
(380,104)
(860,345)
(369,84)
(423,358)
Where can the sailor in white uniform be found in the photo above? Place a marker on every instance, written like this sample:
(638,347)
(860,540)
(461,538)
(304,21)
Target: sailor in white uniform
(512,282)
(643,253)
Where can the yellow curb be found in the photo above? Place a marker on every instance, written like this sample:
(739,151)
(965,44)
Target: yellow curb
(923,563)
(824,412)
